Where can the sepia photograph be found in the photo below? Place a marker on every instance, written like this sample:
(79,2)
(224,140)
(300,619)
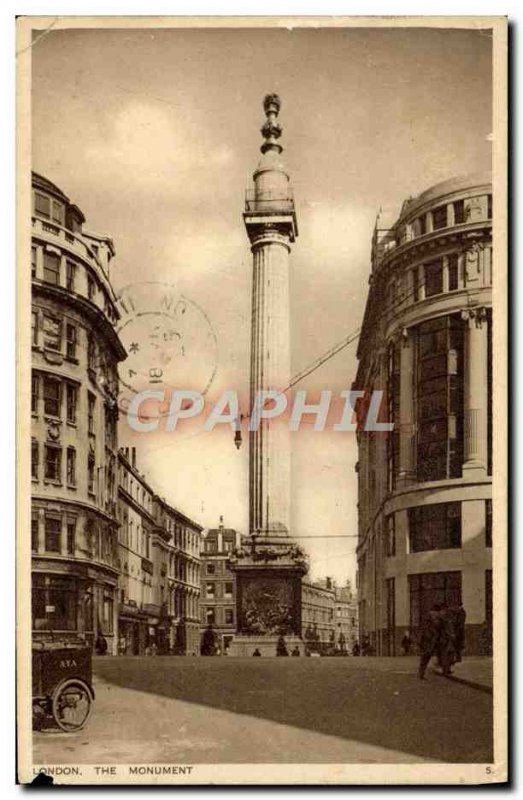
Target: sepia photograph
(260,347)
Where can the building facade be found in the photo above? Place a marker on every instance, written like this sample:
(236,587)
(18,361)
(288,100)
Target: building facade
(136,569)
(159,569)
(317,616)
(74,387)
(218,584)
(425,513)
(345,618)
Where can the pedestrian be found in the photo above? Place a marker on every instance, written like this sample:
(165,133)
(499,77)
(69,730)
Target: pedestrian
(100,645)
(296,652)
(446,649)
(429,638)
(356,649)
(256,652)
(459,617)
(281,648)
(406,644)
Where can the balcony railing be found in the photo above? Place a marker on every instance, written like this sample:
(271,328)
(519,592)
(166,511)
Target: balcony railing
(65,235)
(269,205)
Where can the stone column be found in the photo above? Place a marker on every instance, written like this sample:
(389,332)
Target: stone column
(406,422)
(475,393)
(270,370)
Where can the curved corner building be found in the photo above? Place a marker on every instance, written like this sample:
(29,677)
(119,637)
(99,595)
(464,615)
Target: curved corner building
(425,513)
(75,353)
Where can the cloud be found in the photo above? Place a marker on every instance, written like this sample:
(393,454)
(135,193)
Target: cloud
(147,147)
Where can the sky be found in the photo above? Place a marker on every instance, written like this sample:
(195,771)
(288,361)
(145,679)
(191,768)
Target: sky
(154,133)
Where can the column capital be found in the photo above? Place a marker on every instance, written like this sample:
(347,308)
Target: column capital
(474,316)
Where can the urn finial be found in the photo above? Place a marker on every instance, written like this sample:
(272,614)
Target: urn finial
(271,130)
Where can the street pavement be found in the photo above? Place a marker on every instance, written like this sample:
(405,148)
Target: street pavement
(280,710)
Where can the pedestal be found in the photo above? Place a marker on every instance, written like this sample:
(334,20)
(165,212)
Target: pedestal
(268,596)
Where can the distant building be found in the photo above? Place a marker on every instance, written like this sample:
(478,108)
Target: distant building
(135,514)
(218,584)
(317,615)
(159,569)
(425,508)
(74,447)
(345,617)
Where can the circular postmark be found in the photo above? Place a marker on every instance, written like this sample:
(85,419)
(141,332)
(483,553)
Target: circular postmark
(169,340)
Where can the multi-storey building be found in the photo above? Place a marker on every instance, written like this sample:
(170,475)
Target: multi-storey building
(159,569)
(176,556)
(75,353)
(317,615)
(345,617)
(218,584)
(136,626)
(425,514)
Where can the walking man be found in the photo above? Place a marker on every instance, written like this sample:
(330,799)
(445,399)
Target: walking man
(429,639)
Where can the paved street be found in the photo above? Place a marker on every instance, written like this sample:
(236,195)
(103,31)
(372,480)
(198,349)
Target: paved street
(328,710)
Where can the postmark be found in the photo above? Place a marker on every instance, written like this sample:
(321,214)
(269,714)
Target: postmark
(170,343)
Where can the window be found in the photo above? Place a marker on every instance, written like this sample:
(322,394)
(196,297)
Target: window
(91,402)
(429,588)
(34,256)
(459,212)
(91,352)
(209,589)
(52,333)
(228,590)
(52,268)
(211,546)
(391,535)
(439,404)
(71,466)
(70,340)
(34,535)
(488,523)
(35,384)
(55,603)
(435,527)
(453,272)
(393,410)
(108,617)
(52,397)
(57,212)
(34,459)
(42,205)
(210,616)
(229,616)
(211,569)
(71,402)
(433,278)
(91,288)
(439,218)
(70,274)
(34,328)
(71,537)
(53,534)
(228,545)
(53,463)
(90,474)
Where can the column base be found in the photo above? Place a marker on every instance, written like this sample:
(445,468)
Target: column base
(244,646)
(474,469)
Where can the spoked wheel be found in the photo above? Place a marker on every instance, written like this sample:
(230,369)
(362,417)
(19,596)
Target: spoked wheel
(71,704)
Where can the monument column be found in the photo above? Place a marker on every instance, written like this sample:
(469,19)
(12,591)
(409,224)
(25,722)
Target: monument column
(269,570)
